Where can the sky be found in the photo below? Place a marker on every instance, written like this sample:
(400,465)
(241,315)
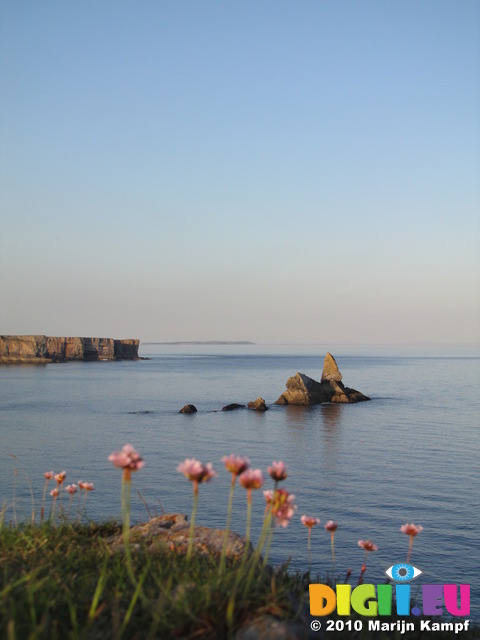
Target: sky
(275,171)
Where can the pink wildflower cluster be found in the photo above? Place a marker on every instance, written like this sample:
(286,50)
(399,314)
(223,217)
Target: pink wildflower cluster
(251,479)
(235,464)
(278,470)
(331,526)
(127,458)
(196,471)
(85,486)
(282,505)
(56,493)
(309,521)
(411,529)
(367,545)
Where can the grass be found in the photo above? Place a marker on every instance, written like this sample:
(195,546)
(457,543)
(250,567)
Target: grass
(64,582)
(59,582)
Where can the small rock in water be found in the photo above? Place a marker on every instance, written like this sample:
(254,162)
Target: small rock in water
(188,408)
(233,406)
(258,405)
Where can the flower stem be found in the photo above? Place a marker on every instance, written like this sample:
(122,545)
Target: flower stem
(332,535)
(227,528)
(247,530)
(52,511)
(410,545)
(269,541)
(42,510)
(192,520)
(309,549)
(266,530)
(126,492)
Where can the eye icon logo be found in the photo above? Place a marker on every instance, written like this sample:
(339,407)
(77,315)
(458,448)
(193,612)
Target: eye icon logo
(403,572)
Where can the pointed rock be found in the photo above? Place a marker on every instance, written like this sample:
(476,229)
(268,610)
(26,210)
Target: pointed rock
(330,371)
(334,387)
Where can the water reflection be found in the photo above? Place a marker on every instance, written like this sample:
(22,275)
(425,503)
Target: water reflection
(298,416)
(331,422)
(331,418)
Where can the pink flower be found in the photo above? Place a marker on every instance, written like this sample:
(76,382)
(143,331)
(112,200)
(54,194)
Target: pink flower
(48,475)
(309,521)
(281,503)
(411,529)
(127,458)
(278,470)
(367,545)
(86,486)
(283,507)
(60,477)
(54,493)
(71,489)
(235,464)
(196,471)
(251,479)
(268,495)
(331,526)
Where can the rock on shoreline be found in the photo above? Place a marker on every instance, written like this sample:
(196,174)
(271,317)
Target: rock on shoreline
(44,349)
(171,532)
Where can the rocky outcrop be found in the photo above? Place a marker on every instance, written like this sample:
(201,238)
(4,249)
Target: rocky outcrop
(258,405)
(44,349)
(171,532)
(302,390)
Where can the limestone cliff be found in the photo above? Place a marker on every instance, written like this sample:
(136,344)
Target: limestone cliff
(43,349)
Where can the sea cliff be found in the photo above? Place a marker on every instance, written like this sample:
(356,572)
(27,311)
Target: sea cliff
(44,349)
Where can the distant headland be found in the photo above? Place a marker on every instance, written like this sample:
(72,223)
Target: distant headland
(45,349)
(207,342)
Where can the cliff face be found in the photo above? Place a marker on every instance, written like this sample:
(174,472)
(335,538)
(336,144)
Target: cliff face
(42,349)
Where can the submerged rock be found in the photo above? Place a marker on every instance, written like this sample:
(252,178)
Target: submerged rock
(302,390)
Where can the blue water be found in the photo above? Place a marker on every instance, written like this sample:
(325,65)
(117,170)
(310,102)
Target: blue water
(409,455)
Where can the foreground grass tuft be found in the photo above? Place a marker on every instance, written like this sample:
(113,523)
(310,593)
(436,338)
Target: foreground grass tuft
(65,582)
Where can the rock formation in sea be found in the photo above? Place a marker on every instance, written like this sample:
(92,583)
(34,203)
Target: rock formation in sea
(44,349)
(302,390)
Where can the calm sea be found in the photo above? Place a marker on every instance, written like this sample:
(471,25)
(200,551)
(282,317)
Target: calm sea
(409,455)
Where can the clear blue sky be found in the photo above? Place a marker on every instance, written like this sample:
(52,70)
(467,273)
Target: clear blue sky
(268,170)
